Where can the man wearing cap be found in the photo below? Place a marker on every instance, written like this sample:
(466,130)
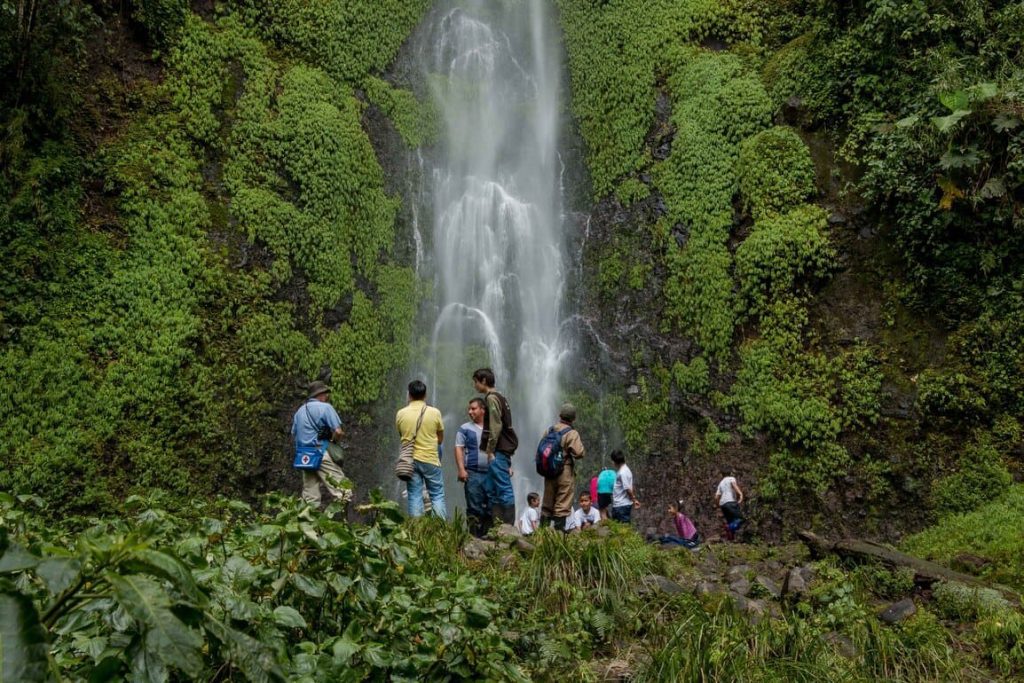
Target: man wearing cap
(316,419)
(558,493)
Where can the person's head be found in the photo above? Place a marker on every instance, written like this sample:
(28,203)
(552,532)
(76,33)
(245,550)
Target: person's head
(725,470)
(618,458)
(567,413)
(533,500)
(675,508)
(585,502)
(476,410)
(319,391)
(483,379)
(417,390)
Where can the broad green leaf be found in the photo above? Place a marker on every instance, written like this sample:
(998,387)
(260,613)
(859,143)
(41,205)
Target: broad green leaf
(954,100)
(994,187)
(945,123)
(343,650)
(17,559)
(1003,123)
(289,616)
(255,659)
(165,635)
(907,121)
(23,647)
(167,567)
(983,91)
(311,587)
(58,573)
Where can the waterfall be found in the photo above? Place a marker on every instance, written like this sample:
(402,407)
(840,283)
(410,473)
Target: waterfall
(497,259)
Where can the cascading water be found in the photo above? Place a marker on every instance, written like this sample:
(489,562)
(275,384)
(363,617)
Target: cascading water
(493,70)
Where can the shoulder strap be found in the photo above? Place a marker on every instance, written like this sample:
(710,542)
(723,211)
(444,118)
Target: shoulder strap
(419,422)
(309,417)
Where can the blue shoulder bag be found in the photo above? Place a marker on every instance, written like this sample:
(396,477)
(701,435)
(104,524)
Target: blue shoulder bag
(309,457)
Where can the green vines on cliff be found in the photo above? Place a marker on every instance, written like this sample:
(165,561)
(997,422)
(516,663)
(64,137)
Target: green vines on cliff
(722,147)
(252,245)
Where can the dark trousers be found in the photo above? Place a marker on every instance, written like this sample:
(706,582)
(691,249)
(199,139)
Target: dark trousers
(622,513)
(477,503)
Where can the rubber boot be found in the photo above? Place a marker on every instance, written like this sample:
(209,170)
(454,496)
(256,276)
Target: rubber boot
(508,514)
(559,524)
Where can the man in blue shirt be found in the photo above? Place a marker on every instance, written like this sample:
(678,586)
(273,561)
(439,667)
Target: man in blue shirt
(473,465)
(316,422)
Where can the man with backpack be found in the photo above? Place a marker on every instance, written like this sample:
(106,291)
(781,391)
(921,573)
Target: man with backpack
(499,442)
(315,426)
(557,453)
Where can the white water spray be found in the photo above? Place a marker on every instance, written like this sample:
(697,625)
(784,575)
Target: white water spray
(494,72)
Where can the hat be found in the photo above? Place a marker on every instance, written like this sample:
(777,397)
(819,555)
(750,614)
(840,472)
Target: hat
(316,388)
(567,412)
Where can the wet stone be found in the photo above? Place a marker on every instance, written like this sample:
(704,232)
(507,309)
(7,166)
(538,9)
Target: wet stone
(769,586)
(794,584)
(661,584)
(898,611)
(740,586)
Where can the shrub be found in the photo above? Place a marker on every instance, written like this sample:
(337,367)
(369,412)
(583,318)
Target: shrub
(782,253)
(981,477)
(991,531)
(775,171)
(967,603)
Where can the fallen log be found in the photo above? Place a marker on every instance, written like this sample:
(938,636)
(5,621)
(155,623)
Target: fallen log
(925,572)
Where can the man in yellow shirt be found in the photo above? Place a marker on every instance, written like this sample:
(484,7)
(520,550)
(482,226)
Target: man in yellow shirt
(422,424)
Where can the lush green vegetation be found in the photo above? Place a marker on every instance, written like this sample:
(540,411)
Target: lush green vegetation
(279,592)
(676,100)
(170,285)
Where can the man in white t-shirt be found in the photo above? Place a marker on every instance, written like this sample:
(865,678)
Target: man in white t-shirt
(530,520)
(585,516)
(728,496)
(623,497)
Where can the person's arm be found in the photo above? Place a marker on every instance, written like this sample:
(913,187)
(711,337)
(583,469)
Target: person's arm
(460,455)
(574,444)
(738,490)
(493,424)
(718,496)
(333,423)
(629,491)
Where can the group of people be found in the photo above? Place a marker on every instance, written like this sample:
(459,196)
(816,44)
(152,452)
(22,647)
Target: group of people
(612,489)
(484,447)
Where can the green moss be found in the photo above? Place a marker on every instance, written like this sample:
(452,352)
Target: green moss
(981,477)
(783,255)
(158,366)
(775,171)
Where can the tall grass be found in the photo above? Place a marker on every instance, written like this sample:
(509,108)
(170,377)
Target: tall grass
(992,531)
(608,567)
(719,644)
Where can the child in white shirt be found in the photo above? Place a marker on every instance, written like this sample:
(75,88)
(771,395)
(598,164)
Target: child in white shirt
(530,520)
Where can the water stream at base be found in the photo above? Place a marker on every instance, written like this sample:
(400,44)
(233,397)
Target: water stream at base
(494,185)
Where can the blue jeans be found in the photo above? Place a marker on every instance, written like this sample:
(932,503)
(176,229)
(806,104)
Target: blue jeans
(424,473)
(499,481)
(477,502)
(622,513)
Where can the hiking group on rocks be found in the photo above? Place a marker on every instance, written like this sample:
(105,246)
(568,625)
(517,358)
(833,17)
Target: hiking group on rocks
(484,448)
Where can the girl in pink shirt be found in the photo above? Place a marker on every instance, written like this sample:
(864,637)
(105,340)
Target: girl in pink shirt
(686,533)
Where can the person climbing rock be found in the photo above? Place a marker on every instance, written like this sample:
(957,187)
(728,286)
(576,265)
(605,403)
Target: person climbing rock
(558,491)
(500,444)
(423,422)
(729,497)
(472,466)
(316,424)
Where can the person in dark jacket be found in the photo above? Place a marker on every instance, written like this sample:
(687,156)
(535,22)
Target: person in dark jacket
(499,443)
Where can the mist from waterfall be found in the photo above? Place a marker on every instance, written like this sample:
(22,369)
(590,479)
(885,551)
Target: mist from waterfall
(493,70)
